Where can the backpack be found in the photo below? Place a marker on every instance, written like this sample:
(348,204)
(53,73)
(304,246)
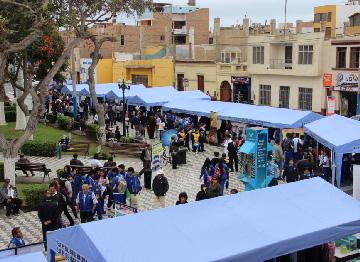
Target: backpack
(287,145)
(121,185)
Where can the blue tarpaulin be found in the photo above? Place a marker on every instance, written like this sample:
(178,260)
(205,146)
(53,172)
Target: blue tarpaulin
(248,114)
(160,96)
(30,257)
(339,134)
(249,226)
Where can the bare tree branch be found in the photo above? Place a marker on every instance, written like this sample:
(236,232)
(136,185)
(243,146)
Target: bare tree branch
(17,4)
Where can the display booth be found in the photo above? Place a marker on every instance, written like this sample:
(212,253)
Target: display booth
(253,222)
(253,159)
(340,134)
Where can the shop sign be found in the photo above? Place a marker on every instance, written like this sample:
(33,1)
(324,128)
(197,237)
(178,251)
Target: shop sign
(240,80)
(327,80)
(346,81)
(330,105)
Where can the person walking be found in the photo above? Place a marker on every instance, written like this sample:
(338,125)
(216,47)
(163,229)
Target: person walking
(278,154)
(214,188)
(59,198)
(75,161)
(17,239)
(233,156)
(9,199)
(133,185)
(206,172)
(86,204)
(48,214)
(160,187)
(146,159)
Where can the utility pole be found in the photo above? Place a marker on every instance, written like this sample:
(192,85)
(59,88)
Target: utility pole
(285,26)
(74,94)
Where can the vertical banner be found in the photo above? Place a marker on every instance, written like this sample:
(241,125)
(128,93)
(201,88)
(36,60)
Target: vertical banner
(212,136)
(261,158)
(330,105)
(157,150)
(327,80)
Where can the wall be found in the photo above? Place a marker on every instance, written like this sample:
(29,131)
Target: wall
(199,20)
(104,71)
(159,71)
(294,82)
(334,19)
(192,69)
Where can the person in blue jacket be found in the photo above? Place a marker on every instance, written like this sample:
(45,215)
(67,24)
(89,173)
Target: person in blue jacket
(17,238)
(77,183)
(86,204)
(206,172)
(134,187)
(222,172)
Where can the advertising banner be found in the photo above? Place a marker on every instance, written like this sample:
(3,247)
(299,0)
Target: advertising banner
(212,136)
(346,81)
(123,210)
(330,105)
(166,137)
(327,80)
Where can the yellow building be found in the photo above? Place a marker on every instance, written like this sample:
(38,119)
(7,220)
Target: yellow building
(331,18)
(153,72)
(104,71)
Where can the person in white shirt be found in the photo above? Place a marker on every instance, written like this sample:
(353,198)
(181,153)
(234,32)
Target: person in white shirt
(95,161)
(325,164)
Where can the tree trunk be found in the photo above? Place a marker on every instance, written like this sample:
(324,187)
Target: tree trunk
(9,166)
(31,138)
(20,115)
(2,114)
(95,56)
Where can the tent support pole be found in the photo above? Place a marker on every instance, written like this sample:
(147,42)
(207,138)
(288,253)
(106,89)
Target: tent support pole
(332,167)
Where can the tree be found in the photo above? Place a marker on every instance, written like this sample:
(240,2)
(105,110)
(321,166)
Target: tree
(74,15)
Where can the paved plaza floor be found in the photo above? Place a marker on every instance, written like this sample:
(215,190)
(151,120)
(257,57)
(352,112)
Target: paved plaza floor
(185,178)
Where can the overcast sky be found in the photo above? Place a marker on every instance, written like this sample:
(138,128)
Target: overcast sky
(232,11)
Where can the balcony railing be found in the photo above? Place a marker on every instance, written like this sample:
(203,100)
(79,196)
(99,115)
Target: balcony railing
(280,63)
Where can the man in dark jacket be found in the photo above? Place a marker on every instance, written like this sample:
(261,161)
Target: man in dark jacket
(75,161)
(48,214)
(110,163)
(160,186)
(233,156)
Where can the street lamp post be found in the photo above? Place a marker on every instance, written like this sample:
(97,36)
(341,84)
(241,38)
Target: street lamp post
(124,86)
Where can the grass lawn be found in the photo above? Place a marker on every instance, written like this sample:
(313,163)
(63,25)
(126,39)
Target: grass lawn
(48,133)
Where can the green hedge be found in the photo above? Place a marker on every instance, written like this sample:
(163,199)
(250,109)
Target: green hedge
(65,122)
(1,172)
(92,131)
(34,194)
(10,108)
(39,148)
(51,118)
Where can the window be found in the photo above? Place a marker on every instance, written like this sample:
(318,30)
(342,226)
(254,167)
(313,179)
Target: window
(200,80)
(284,95)
(265,95)
(355,20)
(180,39)
(354,57)
(305,54)
(211,40)
(230,57)
(316,30)
(162,38)
(179,24)
(341,57)
(329,16)
(305,98)
(122,40)
(258,55)
(316,18)
(140,79)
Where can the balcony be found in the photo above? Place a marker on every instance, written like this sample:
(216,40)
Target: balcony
(281,64)
(180,30)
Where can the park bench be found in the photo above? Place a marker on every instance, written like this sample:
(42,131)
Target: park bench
(79,147)
(130,149)
(33,167)
(82,170)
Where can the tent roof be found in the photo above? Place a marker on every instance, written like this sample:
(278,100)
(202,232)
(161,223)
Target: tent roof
(253,223)
(105,89)
(30,257)
(244,113)
(337,133)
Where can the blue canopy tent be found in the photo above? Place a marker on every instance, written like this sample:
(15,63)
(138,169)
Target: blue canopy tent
(30,257)
(319,213)
(153,96)
(194,94)
(248,114)
(340,134)
(102,90)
